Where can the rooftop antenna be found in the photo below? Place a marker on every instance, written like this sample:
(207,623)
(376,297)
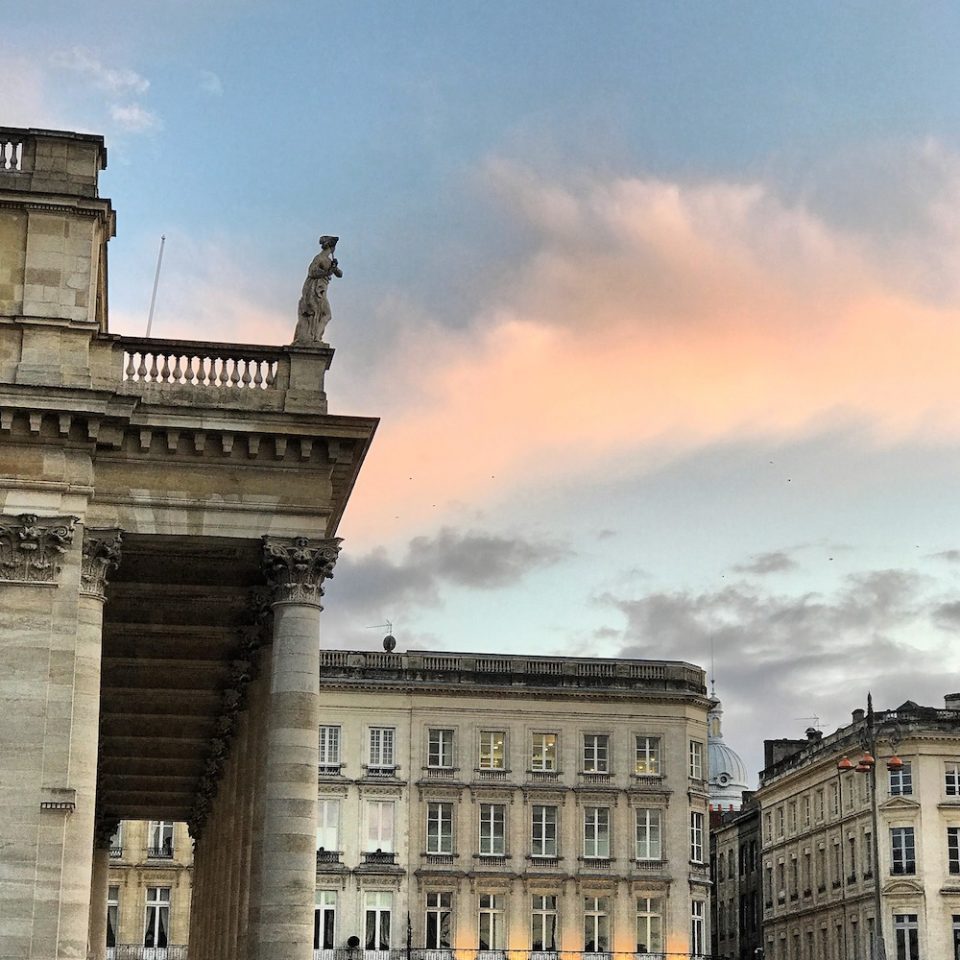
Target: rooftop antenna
(713,669)
(156,281)
(815,719)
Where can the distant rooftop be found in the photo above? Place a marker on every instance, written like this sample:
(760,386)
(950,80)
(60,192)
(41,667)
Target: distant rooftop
(554,674)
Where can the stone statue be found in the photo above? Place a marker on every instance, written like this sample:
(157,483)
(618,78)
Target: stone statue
(314,310)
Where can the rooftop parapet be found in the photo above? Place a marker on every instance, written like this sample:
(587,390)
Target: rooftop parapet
(51,161)
(630,677)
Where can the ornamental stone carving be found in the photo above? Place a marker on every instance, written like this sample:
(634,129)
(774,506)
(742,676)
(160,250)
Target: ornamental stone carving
(31,547)
(101,555)
(296,567)
(103,831)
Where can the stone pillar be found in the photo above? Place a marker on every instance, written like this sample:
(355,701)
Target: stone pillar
(99,887)
(296,569)
(101,553)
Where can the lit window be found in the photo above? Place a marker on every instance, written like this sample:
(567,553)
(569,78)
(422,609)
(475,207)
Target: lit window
(492,750)
(648,757)
(543,756)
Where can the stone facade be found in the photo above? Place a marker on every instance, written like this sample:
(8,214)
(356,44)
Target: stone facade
(146,487)
(737,910)
(819,867)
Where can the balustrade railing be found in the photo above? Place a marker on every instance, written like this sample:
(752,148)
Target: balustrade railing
(220,365)
(11,155)
(460,953)
(129,951)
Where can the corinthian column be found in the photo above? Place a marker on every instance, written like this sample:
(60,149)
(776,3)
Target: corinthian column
(296,569)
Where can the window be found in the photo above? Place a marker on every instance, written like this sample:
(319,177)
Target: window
(902,857)
(596,924)
(440,749)
(780,822)
(328,825)
(648,757)
(952,779)
(596,753)
(116,841)
(852,864)
(330,747)
(805,812)
(543,841)
(325,920)
(377,907)
(697,939)
(596,832)
(649,926)
(648,834)
(956,936)
(492,750)
(380,826)
(818,804)
(792,816)
(157,923)
(953,849)
(439,828)
(696,837)
(901,781)
(381,747)
(491,924)
(438,920)
(492,830)
(161,839)
(767,827)
(906,933)
(834,799)
(113,916)
(696,760)
(866,848)
(543,755)
(543,923)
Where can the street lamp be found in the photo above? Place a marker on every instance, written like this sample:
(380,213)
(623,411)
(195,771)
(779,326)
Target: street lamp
(868,765)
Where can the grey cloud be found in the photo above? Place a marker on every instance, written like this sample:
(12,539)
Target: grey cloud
(951,556)
(947,616)
(776,561)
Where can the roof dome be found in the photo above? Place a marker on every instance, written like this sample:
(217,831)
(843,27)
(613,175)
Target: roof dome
(728,774)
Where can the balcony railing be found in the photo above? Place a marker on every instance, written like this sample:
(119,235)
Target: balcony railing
(379,856)
(129,951)
(201,364)
(116,853)
(164,852)
(460,953)
(327,856)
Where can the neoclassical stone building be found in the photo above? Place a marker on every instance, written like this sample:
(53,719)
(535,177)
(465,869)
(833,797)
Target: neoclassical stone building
(168,512)
(501,803)
(822,859)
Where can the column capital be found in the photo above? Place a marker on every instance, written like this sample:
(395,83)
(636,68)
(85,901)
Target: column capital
(103,831)
(31,547)
(296,567)
(101,555)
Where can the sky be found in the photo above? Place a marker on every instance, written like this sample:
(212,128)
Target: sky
(659,306)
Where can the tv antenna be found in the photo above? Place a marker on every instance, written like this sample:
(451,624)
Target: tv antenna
(156,282)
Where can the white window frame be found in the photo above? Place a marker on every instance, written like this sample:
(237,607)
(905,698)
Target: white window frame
(543,923)
(161,837)
(439,907)
(953,850)
(544,828)
(440,748)
(381,826)
(900,782)
(113,914)
(596,833)
(382,742)
(329,746)
(543,753)
(325,905)
(696,836)
(647,756)
(493,829)
(328,824)
(907,947)
(487,756)
(695,760)
(649,833)
(905,857)
(649,927)
(951,778)
(439,827)
(596,925)
(380,904)
(491,915)
(157,907)
(595,756)
(697,931)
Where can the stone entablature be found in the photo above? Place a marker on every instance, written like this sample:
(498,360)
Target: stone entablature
(571,675)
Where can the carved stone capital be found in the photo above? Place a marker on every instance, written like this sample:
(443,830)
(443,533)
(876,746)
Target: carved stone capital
(101,555)
(31,547)
(103,831)
(296,567)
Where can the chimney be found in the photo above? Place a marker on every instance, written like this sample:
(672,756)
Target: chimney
(952,701)
(858,715)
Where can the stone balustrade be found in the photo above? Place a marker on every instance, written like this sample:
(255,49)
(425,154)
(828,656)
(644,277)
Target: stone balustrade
(214,365)
(11,153)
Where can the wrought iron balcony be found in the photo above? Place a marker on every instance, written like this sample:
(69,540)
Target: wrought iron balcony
(163,852)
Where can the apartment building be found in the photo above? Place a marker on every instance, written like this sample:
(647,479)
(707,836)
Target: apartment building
(735,869)
(819,866)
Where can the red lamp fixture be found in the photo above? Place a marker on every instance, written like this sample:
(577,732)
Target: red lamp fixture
(845,764)
(894,764)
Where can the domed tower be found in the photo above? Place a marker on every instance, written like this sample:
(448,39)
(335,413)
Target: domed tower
(728,775)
